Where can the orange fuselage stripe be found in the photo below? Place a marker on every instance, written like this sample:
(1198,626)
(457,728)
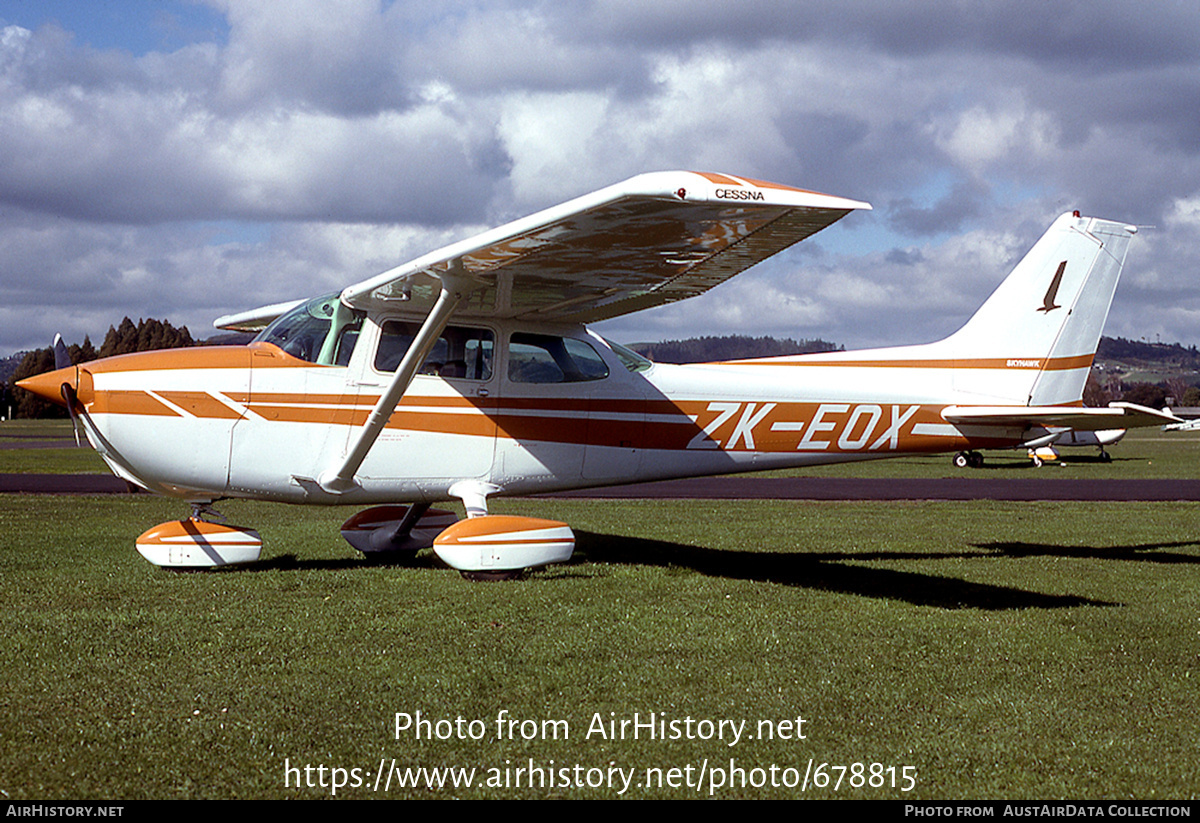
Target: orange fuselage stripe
(849,427)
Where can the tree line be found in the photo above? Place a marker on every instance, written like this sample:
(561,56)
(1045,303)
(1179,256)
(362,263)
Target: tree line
(126,338)
(731,347)
(1118,348)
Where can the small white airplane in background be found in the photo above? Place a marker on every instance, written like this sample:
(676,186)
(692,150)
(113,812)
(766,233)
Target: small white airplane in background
(1070,439)
(1044,449)
(468,374)
(1184,425)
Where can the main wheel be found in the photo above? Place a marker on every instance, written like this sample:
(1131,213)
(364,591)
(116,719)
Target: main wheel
(962,460)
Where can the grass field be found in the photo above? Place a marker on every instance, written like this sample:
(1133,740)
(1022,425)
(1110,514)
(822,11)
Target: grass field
(1045,650)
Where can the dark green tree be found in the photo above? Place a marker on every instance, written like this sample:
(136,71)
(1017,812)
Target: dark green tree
(147,335)
(124,339)
(1146,394)
(28,405)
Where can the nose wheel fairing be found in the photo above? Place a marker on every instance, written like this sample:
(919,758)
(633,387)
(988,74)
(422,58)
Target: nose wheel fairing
(195,544)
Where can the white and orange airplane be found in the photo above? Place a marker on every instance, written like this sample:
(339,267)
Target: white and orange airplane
(468,374)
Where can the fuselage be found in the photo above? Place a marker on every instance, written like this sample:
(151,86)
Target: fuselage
(523,407)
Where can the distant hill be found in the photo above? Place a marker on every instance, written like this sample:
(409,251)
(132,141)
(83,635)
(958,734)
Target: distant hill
(1141,354)
(1114,354)
(734,347)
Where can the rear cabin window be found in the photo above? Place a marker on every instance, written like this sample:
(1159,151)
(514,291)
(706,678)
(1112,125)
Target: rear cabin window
(546,358)
(460,353)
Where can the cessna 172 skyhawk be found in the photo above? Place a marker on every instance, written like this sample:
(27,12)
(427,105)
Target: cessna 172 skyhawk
(467,373)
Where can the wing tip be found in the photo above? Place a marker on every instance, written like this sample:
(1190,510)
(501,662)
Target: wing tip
(746,186)
(254,320)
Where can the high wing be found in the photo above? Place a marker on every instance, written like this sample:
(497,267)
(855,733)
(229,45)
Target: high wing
(653,239)
(255,320)
(1116,416)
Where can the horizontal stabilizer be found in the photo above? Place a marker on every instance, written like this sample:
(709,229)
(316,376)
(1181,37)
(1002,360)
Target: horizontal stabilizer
(1116,416)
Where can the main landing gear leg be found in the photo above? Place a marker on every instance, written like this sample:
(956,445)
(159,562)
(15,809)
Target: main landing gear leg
(396,533)
(400,536)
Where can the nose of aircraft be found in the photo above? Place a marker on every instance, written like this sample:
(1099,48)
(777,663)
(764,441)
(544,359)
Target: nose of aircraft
(48,385)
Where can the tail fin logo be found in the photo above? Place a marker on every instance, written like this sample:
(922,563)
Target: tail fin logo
(1048,304)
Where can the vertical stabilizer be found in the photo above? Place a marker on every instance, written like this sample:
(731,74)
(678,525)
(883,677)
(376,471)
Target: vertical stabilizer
(1033,341)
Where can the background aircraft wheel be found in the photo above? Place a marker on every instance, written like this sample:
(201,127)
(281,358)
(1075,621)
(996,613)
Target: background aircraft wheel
(1105,457)
(485,577)
(962,460)
(975,460)
(1037,461)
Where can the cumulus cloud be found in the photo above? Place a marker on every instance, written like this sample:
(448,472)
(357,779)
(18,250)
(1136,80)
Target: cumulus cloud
(292,153)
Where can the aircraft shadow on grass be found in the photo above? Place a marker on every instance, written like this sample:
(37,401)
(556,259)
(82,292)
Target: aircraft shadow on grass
(1136,552)
(824,572)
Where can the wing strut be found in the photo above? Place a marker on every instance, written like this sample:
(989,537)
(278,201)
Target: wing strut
(454,288)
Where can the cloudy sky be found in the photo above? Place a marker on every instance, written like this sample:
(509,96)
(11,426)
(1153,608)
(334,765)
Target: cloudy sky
(183,160)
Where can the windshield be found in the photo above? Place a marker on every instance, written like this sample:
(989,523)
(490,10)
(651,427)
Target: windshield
(321,331)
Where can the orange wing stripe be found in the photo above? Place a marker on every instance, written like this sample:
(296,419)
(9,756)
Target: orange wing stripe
(719,179)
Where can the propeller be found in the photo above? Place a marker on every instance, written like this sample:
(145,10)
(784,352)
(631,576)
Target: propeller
(62,360)
(62,357)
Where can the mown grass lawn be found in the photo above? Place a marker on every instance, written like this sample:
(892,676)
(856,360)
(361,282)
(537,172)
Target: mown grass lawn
(1045,650)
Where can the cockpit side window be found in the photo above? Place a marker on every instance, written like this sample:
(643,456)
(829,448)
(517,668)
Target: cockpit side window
(460,353)
(547,358)
(323,331)
(629,358)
